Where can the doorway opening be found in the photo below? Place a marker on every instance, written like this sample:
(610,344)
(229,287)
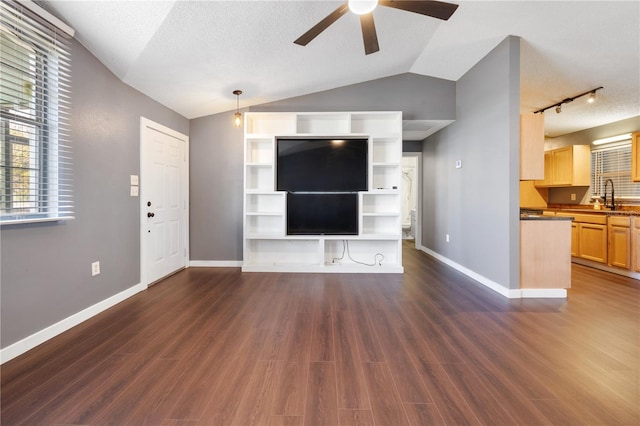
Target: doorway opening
(410,215)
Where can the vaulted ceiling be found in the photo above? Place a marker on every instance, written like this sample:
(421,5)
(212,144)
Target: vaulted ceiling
(191,55)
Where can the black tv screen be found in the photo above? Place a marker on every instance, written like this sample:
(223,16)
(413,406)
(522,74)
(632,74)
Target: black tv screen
(321,165)
(322,214)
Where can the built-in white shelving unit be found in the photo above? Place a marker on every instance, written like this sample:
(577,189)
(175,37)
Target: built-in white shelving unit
(378,245)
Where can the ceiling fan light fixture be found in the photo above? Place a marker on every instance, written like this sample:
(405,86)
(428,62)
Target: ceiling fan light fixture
(362,7)
(237,116)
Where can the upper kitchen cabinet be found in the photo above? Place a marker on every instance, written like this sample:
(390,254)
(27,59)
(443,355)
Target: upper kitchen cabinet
(567,166)
(531,146)
(635,157)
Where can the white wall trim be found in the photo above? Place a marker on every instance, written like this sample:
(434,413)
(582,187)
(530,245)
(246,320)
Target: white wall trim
(215,263)
(503,291)
(553,293)
(511,294)
(52,331)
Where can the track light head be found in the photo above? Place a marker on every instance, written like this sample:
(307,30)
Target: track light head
(592,97)
(558,109)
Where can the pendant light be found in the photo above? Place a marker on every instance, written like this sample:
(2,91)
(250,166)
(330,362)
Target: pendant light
(237,117)
(362,7)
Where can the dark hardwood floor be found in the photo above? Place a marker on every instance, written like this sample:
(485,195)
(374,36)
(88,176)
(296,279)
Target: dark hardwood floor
(219,347)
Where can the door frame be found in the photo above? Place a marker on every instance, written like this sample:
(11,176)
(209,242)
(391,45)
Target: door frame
(145,124)
(418,183)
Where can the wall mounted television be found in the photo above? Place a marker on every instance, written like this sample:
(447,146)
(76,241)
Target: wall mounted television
(321,164)
(322,213)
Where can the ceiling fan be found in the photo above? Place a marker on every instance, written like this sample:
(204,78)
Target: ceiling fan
(435,9)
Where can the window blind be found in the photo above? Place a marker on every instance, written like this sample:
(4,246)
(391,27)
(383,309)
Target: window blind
(613,162)
(35,155)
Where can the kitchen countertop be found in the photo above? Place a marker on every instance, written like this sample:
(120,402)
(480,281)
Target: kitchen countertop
(594,211)
(526,216)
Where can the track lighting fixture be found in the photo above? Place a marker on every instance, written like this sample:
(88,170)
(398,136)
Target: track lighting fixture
(237,117)
(558,106)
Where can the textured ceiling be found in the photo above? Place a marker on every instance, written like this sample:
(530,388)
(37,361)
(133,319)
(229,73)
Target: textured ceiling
(191,55)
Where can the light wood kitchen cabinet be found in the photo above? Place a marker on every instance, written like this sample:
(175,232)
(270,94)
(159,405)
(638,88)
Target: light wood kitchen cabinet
(635,157)
(567,166)
(635,243)
(619,238)
(588,236)
(593,242)
(575,238)
(531,146)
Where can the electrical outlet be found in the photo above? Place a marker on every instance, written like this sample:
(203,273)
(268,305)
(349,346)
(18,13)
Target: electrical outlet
(446,237)
(95,269)
(573,197)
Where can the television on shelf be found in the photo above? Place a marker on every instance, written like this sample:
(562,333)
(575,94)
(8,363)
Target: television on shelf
(321,164)
(320,213)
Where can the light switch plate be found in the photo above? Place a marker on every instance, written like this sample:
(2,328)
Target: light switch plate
(458,164)
(134,191)
(134,180)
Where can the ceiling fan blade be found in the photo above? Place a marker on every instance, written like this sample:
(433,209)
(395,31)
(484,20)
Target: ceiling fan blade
(369,34)
(435,9)
(305,38)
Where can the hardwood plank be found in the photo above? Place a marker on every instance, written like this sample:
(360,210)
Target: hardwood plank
(322,404)
(289,397)
(322,335)
(385,402)
(484,405)
(423,414)
(352,392)
(349,417)
(405,376)
(256,403)
(285,421)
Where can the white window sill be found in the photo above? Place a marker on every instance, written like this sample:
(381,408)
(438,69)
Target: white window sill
(35,220)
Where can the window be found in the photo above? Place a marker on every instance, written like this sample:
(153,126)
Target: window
(35,154)
(613,162)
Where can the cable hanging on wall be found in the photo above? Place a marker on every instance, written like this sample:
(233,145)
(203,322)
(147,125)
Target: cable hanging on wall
(558,105)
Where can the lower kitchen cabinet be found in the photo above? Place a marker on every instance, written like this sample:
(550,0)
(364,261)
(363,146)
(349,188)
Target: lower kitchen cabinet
(619,236)
(593,242)
(635,243)
(588,236)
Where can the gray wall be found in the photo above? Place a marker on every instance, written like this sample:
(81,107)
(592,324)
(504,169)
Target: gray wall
(477,205)
(46,268)
(586,137)
(216,164)
(217,147)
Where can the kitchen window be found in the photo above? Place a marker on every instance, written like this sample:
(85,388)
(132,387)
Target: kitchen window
(35,152)
(613,162)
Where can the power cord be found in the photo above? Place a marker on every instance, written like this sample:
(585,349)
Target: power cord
(345,248)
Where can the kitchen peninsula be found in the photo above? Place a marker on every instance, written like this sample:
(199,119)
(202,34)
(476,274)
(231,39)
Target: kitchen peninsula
(545,254)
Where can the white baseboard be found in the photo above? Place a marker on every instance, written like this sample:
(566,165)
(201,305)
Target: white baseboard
(503,291)
(42,336)
(553,293)
(215,263)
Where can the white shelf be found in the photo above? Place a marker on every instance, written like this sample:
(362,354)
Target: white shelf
(266,245)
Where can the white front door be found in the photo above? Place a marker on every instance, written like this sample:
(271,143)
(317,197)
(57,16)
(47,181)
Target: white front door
(163,200)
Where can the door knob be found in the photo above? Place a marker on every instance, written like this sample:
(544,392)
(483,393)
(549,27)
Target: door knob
(150,214)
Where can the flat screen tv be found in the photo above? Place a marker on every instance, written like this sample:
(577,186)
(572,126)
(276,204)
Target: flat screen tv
(322,214)
(321,165)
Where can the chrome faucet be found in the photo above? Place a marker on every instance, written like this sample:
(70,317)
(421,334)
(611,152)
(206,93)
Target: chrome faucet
(613,200)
